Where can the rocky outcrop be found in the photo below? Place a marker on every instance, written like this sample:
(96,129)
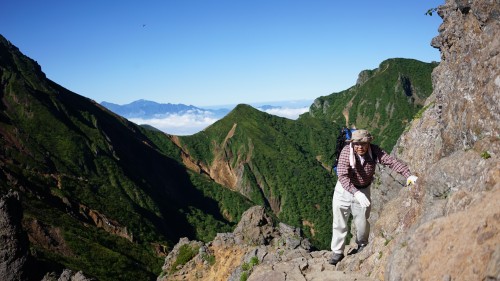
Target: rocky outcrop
(101,221)
(364,76)
(256,250)
(14,244)
(66,275)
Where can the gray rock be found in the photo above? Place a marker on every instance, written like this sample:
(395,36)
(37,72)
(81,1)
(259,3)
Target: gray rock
(493,269)
(14,245)
(255,227)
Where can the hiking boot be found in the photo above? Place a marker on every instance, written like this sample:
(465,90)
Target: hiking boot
(335,258)
(360,248)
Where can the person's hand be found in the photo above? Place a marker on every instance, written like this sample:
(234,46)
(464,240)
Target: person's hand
(411,180)
(363,201)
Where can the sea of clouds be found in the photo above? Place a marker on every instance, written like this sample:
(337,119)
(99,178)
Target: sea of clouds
(193,121)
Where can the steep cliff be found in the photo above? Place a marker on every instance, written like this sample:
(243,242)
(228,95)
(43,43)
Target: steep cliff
(446,227)
(455,148)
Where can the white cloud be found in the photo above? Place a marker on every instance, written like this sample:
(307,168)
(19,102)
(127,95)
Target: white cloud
(192,122)
(180,125)
(290,113)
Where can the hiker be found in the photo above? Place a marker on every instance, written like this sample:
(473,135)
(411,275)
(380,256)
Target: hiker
(355,169)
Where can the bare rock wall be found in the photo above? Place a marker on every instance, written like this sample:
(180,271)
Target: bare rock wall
(446,227)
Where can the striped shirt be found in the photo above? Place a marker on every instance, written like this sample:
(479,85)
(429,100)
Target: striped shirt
(362,174)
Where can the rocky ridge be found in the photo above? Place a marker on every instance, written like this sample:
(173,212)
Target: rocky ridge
(255,250)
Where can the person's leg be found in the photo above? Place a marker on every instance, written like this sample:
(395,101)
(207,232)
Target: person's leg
(341,211)
(360,219)
(339,226)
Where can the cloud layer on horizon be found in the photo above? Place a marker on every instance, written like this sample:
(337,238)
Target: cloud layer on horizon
(195,121)
(290,113)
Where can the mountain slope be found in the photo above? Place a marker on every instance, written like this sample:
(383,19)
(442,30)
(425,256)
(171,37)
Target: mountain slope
(384,100)
(105,196)
(284,164)
(252,152)
(98,195)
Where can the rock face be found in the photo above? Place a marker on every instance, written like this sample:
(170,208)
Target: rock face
(14,244)
(457,208)
(447,226)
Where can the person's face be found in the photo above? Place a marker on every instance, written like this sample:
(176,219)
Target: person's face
(360,147)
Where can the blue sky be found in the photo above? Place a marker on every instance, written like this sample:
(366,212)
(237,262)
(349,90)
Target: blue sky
(204,53)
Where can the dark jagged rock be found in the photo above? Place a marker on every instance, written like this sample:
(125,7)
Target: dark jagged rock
(255,227)
(14,244)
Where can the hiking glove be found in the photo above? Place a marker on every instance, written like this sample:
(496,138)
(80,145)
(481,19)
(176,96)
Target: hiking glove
(363,201)
(411,180)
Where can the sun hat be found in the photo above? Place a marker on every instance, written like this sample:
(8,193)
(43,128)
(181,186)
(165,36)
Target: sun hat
(361,136)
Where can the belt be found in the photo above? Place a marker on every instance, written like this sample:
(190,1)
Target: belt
(362,186)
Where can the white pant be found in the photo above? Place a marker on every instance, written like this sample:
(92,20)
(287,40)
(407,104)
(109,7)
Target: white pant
(343,204)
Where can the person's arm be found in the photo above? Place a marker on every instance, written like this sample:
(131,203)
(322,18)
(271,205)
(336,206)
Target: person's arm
(392,162)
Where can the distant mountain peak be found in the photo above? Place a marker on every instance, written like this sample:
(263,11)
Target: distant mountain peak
(147,109)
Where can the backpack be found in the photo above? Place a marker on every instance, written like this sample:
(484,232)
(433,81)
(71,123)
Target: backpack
(345,134)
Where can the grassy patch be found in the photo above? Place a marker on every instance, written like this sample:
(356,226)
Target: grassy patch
(485,155)
(186,253)
(247,267)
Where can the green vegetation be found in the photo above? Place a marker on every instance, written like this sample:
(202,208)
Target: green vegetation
(431,11)
(112,189)
(485,155)
(384,103)
(208,258)
(76,165)
(247,267)
(278,163)
(244,276)
(419,114)
(283,162)
(186,253)
(90,246)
